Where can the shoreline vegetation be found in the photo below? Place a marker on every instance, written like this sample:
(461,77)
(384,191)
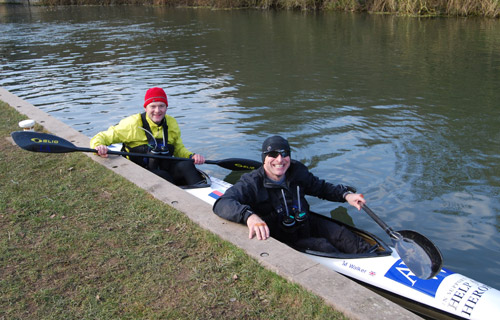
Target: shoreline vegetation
(73,246)
(416,8)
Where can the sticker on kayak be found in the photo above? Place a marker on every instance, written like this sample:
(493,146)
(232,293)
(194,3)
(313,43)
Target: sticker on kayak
(215,194)
(399,272)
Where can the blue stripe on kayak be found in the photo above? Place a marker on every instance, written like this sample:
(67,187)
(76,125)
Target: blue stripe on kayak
(400,273)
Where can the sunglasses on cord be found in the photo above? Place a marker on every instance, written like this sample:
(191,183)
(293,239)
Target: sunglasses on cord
(276,153)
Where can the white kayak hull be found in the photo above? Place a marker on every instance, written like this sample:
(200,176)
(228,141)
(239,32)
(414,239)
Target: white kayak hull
(449,295)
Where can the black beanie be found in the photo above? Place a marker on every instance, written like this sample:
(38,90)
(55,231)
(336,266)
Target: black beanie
(274,143)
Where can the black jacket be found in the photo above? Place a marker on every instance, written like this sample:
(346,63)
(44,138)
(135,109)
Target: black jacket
(253,193)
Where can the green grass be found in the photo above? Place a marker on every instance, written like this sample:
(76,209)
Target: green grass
(80,242)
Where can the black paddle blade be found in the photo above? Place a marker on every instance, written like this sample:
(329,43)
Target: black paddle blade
(42,142)
(419,254)
(237,164)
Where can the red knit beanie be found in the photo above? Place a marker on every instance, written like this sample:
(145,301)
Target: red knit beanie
(155,95)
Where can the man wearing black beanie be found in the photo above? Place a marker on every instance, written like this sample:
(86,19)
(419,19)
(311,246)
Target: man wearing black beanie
(271,202)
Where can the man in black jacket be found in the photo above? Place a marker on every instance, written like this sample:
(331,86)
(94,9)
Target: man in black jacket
(271,202)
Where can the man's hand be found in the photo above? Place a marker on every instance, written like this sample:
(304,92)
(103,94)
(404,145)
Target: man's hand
(102,151)
(257,226)
(355,199)
(198,159)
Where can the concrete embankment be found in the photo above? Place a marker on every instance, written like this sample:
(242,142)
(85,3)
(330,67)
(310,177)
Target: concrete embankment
(354,300)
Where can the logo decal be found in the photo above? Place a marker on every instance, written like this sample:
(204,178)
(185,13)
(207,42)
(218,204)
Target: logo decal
(400,273)
(37,140)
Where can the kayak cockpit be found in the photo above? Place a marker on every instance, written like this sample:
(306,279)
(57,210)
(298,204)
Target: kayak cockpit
(380,248)
(206,182)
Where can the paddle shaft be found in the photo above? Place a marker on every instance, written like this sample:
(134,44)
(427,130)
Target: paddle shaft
(231,163)
(144,155)
(379,221)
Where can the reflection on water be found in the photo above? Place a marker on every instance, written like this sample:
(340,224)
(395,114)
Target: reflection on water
(404,109)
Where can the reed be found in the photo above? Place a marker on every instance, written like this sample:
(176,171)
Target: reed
(408,7)
(473,8)
(464,8)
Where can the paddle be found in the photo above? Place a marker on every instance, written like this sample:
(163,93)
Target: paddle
(48,143)
(418,253)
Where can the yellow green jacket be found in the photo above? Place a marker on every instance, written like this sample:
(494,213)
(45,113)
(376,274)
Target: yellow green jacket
(129,133)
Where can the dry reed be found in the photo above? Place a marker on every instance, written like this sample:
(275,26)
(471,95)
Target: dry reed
(464,8)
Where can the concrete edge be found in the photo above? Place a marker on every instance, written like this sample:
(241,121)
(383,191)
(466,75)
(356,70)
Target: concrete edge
(343,294)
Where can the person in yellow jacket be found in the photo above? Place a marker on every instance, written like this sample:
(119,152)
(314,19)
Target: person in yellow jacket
(153,132)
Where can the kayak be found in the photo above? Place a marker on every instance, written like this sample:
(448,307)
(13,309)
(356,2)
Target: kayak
(448,295)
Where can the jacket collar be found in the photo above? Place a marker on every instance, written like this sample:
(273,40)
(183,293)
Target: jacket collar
(268,184)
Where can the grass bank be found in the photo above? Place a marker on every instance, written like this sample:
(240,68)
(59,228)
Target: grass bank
(80,242)
(464,8)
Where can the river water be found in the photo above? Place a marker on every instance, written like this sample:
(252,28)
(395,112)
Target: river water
(405,109)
